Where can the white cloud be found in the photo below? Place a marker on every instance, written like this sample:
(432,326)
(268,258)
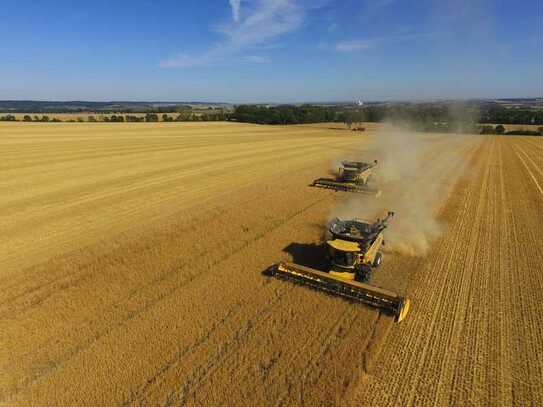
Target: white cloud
(363,44)
(267,20)
(354,45)
(236,9)
(263,22)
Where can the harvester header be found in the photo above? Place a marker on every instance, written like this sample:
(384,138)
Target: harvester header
(386,300)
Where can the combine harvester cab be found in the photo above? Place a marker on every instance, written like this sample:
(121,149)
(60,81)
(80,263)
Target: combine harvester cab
(353,176)
(353,252)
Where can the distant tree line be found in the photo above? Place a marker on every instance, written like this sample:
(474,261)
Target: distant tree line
(501,115)
(441,117)
(500,129)
(27,106)
(428,117)
(27,118)
(433,117)
(285,114)
(186,116)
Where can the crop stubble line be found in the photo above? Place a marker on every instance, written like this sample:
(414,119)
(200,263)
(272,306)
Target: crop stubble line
(503,299)
(476,379)
(475,329)
(424,299)
(519,150)
(433,297)
(443,308)
(525,281)
(529,320)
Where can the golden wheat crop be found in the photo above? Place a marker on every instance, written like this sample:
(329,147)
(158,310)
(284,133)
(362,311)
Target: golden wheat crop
(131,259)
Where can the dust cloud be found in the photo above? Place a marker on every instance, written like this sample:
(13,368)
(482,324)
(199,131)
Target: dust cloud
(409,186)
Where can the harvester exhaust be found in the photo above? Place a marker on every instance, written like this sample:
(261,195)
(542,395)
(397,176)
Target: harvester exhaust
(387,300)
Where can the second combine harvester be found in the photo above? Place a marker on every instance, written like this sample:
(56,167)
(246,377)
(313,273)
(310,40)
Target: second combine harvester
(352,176)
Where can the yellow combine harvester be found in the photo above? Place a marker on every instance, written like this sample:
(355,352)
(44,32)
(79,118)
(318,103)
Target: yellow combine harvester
(353,251)
(353,176)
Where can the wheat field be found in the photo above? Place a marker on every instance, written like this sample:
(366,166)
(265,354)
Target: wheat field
(131,260)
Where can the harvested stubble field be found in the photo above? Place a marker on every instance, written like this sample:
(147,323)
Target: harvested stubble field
(132,256)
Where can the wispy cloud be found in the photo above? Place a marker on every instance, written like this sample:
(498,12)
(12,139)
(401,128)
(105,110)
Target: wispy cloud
(364,44)
(236,9)
(354,45)
(261,23)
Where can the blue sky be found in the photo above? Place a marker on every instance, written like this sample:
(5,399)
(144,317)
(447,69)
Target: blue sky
(270,50)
